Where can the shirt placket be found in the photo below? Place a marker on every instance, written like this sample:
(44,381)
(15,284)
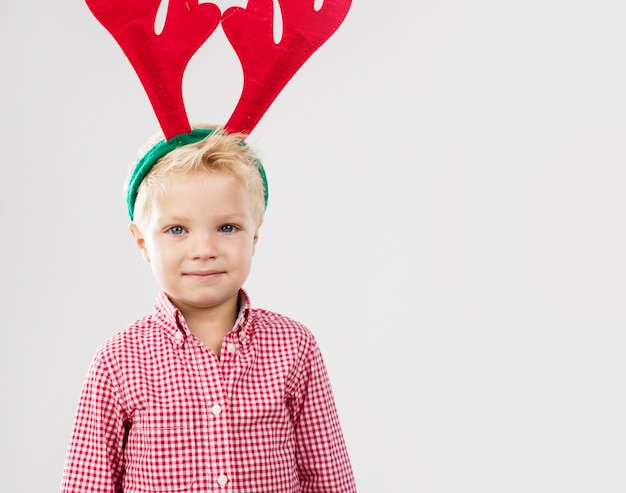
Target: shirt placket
(220,471)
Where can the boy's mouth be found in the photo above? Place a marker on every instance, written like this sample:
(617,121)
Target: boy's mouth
(203,274)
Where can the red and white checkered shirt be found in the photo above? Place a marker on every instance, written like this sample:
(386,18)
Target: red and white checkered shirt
(160,413)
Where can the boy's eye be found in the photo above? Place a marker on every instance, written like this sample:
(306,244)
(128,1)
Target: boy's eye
(176,230)
(228,228)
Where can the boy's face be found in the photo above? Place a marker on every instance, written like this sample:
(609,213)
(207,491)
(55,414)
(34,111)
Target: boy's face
(199,239)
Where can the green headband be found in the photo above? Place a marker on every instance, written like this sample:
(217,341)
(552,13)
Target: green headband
(160,149)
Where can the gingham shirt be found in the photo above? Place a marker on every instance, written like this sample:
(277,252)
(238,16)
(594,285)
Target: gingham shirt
(160,413)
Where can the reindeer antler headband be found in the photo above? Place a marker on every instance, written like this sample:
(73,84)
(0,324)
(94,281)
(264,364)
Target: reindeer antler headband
(160,59)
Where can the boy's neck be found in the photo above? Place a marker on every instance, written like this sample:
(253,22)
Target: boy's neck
(211,325)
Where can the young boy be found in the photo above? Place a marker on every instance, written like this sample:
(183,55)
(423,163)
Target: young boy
(206,393)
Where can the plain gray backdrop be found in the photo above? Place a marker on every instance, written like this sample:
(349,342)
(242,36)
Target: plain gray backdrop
(447,214)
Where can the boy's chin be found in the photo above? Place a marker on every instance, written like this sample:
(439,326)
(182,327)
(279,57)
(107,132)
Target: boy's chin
(206,302)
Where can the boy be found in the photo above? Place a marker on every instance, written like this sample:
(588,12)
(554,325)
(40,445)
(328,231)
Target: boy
(206,393)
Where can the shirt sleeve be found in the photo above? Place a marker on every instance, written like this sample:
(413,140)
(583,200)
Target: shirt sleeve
(322,457)
(93,462)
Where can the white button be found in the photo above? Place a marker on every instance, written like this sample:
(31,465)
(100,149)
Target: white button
(216,409)
(178,336)
(222,479)
(231,347)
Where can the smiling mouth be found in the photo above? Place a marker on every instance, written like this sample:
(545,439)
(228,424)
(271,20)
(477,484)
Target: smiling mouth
(203,274)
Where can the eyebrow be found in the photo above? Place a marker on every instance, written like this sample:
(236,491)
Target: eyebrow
(171,219)
(220,218)
(235,215)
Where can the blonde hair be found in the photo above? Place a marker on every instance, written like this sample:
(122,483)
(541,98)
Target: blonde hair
(219,151)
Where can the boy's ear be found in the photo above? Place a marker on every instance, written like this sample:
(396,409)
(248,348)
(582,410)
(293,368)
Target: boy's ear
(255,240)
(139,240)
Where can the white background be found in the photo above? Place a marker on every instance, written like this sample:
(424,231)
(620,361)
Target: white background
(447,215)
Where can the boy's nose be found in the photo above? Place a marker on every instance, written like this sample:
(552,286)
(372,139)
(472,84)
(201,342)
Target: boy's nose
(204,246)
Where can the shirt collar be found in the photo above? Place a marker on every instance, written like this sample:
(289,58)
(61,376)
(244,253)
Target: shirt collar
(174,325)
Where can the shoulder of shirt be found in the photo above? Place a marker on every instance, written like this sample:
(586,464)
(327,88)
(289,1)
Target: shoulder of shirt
(134,336)
(268,321)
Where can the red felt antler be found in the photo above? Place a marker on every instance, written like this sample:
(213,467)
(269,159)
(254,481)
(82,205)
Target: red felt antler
(268,66)
(159,59)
